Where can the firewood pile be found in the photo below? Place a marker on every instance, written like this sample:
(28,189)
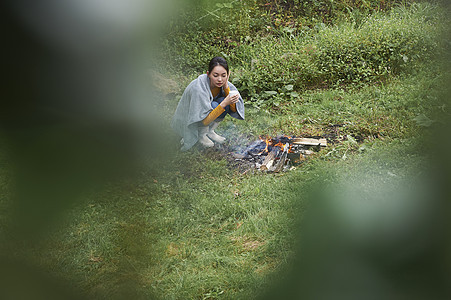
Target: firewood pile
(280,153)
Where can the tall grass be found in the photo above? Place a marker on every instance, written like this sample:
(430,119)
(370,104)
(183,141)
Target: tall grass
(381,46)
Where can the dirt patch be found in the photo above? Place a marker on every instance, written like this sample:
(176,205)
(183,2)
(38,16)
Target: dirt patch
(247,243)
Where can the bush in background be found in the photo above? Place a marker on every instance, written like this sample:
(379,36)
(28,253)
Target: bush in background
(277,64)
(382,46)
(309,12)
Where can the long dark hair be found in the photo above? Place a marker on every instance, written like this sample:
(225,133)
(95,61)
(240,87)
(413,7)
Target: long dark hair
(218,61)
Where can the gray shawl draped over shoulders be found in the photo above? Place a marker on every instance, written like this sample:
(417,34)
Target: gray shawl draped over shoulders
(194,106)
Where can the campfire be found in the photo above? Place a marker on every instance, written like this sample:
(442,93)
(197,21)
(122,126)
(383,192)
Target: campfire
(279,153)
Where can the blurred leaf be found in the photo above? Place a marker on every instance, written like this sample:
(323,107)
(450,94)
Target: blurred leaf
(271,92)
(423,120)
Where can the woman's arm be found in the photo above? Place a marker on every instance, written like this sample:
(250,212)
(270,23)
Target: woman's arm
(213,115)
(229,100)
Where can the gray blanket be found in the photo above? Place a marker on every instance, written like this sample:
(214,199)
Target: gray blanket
(194,106)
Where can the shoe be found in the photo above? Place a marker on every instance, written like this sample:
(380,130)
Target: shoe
(203,138)
(213,135)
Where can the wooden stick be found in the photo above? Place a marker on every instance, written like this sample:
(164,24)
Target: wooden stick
(309,142)
(269,160)
(282,159)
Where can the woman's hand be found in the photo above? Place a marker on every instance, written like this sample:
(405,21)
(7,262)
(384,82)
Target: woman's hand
(226,84)
(229,100)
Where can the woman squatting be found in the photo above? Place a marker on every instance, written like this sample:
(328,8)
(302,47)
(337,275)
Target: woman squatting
(204,104)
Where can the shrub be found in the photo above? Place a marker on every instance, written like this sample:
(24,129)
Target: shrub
(382,46)
(277,67)
(309,12)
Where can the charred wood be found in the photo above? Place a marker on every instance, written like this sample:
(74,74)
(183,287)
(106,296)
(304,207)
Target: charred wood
(283,158)
(269,160)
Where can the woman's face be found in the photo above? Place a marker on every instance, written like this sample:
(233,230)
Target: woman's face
(218,76)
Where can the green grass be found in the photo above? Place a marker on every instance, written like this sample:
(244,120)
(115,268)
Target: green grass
(176,236)
(193,227)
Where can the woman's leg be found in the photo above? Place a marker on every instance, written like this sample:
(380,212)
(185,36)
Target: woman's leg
(211,133)
(203,136)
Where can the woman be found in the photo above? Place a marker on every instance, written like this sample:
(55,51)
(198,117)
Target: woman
(204,104)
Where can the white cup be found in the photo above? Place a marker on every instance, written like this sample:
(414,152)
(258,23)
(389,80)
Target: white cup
(233,93)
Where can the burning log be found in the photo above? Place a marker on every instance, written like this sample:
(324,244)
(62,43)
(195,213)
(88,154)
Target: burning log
(277,154)
(309,142)
(252,154)
(283,158)
(269,160)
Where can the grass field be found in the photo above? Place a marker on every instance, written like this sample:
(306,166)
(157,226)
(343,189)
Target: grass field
(191,226)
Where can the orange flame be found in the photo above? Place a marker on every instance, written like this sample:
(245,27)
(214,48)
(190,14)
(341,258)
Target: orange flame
(270,142)
(280,145)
